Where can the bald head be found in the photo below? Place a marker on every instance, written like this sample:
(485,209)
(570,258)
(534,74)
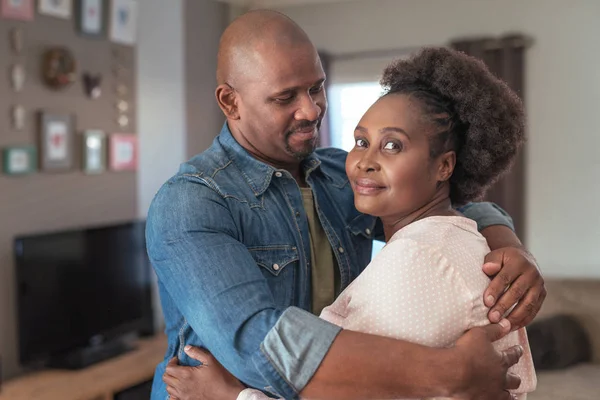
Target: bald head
(252,39)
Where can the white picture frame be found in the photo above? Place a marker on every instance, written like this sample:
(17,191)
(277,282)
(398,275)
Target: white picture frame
(94,151)
(124,21)
(56,8)
(91,17)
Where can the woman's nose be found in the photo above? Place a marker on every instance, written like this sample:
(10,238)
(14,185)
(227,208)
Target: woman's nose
(367,162)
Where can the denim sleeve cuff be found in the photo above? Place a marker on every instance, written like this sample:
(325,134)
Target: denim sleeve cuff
(487,214)
(294,348)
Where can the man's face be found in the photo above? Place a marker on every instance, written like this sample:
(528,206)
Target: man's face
(281,103)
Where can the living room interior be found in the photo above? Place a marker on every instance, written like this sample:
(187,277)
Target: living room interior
(96,117)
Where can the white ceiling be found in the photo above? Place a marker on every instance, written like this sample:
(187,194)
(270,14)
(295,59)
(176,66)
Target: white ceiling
(278,3)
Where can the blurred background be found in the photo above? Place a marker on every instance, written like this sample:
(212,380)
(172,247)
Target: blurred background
(97,111)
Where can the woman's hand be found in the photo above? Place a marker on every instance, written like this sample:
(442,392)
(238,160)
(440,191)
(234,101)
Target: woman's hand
(209,381)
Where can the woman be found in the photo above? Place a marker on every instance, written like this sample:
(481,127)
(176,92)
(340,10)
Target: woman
(442,133)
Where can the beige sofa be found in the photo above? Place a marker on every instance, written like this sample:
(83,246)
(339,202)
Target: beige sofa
(581,299)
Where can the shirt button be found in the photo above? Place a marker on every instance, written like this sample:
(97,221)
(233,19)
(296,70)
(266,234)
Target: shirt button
(297,214)
(276,267)
(368,231)
(341,249)
(278,174)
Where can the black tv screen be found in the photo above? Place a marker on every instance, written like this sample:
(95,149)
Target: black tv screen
(81,287)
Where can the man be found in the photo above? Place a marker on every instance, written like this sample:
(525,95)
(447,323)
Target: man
(260,229)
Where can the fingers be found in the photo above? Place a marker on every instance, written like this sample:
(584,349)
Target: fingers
(492,268)
(511,296)
(497,331)
(198,354)
(528,307)
(173,393)
(497,287)
(512,381)
(511,356)
(173,361)
(170,380)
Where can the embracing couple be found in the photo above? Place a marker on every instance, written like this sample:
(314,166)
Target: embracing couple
(262,243)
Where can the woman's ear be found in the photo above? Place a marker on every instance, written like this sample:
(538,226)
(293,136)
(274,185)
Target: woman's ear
(227,99)
(447,163)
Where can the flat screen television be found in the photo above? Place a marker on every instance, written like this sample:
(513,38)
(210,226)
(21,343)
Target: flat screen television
(80,292)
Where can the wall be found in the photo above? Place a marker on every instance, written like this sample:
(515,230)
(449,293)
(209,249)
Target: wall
(53,201)
(204,24)
(562,96)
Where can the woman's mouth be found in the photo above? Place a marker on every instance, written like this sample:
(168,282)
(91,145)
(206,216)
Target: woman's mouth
(367,187)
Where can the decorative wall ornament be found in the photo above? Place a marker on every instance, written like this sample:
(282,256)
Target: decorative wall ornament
(123,121)
(56,8)
(91,17)
(123,148)
(17,117)
(17,9)
(94,151)
(19,160)
(17,77)
(59,68)
(56,141)
(91,84)
(16,40)
(123,21)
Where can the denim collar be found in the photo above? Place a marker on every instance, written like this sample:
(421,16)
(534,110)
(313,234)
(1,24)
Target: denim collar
(257,174)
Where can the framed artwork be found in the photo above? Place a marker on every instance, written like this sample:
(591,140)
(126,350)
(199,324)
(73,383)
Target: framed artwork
(56,8)
(123,152)
(91,17)
(56,139)
(17,9)
(94,151)
(123,21)
(19,160)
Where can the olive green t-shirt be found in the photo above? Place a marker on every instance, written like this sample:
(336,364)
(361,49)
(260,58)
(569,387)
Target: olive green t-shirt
(324,271)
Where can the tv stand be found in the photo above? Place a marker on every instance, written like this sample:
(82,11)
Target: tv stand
(126,377)
(86,356)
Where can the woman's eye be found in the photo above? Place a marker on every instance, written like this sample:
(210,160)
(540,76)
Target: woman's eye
(361,143)
(392,146)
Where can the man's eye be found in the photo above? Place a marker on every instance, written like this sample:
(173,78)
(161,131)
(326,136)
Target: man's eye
(317,89)
(285,99)
(361,143)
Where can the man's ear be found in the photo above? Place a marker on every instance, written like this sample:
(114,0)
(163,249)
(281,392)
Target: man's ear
(227,99)
(447,163)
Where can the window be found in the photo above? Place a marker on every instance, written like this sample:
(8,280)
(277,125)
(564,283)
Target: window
(347,104)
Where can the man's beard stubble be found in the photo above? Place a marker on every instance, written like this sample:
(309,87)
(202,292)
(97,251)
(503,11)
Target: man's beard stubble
(310,146)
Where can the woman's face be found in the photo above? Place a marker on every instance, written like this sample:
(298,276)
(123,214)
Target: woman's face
(389,168)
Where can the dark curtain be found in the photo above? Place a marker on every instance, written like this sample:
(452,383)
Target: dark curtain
(325,132)
(505,57)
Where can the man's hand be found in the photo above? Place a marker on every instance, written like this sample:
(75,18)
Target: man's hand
(486,370)
(209,381)
(516,280)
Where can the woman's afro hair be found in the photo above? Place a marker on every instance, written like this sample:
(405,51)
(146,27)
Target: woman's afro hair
(474,113)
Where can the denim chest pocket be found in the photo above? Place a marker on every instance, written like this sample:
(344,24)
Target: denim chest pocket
(279,265)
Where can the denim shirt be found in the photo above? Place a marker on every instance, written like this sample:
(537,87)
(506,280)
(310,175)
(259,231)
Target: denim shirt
(228,239)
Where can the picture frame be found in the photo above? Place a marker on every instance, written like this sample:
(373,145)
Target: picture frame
(56,141)
(56,8)
(94,151)
(21,10)
(123,21)
(91,16)
(19,160)
(123,152)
